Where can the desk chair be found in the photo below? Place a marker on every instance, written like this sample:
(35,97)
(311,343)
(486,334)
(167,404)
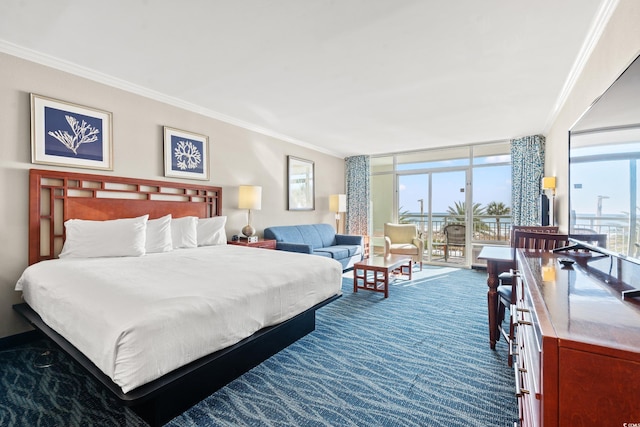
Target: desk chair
(505,278)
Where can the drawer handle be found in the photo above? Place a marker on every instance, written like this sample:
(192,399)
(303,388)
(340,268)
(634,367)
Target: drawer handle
(517,377)
(524,322)
(523,310)
(519,390)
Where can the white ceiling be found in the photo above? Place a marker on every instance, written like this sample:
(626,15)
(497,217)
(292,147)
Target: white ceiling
(347,77)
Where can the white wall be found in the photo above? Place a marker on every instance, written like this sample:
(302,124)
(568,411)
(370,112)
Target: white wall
(617,48)
(238,156)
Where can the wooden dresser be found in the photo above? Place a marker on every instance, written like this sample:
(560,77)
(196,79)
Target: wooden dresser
(577,342)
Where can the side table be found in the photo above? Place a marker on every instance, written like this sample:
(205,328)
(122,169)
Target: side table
(372,274)
(261,243)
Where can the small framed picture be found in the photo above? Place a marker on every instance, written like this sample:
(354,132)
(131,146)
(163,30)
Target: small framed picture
(68,134)
(301,190)
(186,154)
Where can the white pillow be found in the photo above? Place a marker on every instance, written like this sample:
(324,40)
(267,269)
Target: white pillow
(184,232)
(159,235)
(112,238)
(211,231)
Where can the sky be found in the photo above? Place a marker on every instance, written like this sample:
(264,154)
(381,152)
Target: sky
(490,184)
(608,180)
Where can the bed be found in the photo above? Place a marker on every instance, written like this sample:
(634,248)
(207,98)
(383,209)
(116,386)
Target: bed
(163,330)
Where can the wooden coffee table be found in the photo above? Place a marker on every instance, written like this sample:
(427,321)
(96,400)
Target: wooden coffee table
(372,274)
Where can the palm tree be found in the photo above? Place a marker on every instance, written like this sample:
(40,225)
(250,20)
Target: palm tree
(498,209)
(403,216)
(458,215)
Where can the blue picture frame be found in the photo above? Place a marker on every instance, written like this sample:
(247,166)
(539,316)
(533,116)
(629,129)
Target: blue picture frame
(186,154)
(68,134)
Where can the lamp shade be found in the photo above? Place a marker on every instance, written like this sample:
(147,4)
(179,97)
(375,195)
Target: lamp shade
(250,197)
(549,183)
(338,203)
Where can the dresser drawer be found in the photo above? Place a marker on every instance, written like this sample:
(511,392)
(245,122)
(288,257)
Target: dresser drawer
(527,359)
(578,341)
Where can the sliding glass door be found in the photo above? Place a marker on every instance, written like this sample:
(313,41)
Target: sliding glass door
(449,242)
(467,188)
(433,201)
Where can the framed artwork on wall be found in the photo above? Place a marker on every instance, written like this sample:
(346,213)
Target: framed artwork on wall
(67,134)
(186,154)
(301,191)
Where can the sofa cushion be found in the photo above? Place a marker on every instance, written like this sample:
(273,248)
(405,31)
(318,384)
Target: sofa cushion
(311,236)
(322,252)
(349,240)
(284,233)
(336,252)
(352,249)
(316,235)
(326,233)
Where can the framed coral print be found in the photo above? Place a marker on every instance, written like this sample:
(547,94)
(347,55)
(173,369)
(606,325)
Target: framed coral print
(67,134)
(300,175)
(186,154)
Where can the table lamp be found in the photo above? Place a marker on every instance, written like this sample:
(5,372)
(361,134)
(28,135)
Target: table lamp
(338,204)
(249,197)
(549,183)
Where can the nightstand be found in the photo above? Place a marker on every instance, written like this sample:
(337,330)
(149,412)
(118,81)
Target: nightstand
(261,243)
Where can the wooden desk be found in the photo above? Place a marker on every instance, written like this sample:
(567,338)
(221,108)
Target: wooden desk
(499,259)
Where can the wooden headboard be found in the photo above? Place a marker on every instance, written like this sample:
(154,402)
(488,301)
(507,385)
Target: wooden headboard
(56,196)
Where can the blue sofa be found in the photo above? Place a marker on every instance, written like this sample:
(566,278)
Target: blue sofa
(318,239)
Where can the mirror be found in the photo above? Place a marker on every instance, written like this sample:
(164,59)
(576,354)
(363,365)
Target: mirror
(301,192)
(604,175)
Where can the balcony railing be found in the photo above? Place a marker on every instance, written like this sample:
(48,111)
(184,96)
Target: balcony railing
(616,227)
(486,228)
(492,229)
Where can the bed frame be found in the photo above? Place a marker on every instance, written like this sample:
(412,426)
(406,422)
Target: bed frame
(56,196)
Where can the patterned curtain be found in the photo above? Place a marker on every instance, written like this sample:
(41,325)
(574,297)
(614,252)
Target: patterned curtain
(527,168)
(357,171)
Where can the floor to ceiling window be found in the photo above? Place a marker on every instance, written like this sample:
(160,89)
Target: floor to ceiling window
(433,189)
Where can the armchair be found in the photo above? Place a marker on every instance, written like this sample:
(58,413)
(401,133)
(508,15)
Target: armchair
(402,239)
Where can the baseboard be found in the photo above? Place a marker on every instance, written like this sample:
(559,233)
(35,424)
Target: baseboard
(19,339)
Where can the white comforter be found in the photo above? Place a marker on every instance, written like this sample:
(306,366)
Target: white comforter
(138,318)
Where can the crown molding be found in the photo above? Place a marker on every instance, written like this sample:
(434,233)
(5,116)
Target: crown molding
(90,74)
(593,36)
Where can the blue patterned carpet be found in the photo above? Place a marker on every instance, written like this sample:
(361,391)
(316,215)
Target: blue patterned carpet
(419,358)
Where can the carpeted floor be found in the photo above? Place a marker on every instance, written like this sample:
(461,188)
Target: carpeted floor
(419,358)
